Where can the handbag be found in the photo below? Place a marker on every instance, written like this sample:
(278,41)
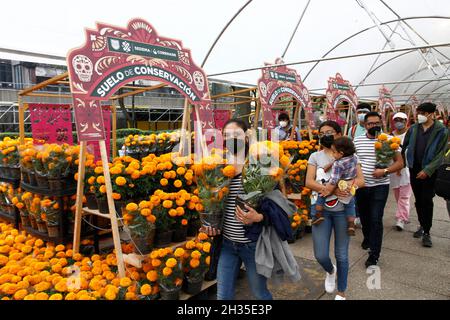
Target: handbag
(442,184)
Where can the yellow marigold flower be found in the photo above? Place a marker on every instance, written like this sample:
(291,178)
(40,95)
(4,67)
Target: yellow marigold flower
(208,260)
(179,252)
(190,245)
(164,182)
(98,170)
(196,254)
(194,263)
(125,282)
(171,262)
(146,289)
(152,275)
(167,271)
(202,236)
(131,207)
(121,181)
(56,296)
(229,171)
(110,295)
(167,204)
(156,262)
(41,296)
(206,247)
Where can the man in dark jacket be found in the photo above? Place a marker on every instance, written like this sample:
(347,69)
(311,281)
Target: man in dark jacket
(424,145)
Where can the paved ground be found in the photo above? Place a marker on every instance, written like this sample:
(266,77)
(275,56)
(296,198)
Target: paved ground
(407,269)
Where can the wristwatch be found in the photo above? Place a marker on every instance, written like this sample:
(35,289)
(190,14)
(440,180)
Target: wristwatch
(386,172)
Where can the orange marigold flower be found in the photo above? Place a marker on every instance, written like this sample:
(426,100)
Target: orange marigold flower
(152,276)
(167,271)
(171,262)
(167,204)
(229,171)
(131,207)
(121,181)
(194,263)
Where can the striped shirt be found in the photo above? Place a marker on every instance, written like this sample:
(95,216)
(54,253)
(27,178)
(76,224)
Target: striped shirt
(233,229)
(365,149)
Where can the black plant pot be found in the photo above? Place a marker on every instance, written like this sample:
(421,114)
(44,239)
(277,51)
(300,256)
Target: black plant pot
(179,234)
(91,201)
(163,239)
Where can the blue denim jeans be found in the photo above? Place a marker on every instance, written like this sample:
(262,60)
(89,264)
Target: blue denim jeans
(371,203)
(321,234)
(231,257)
(349,208)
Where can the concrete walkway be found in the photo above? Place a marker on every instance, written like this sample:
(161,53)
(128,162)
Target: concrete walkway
(407,269)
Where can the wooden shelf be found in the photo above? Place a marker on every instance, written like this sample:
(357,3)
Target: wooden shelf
(44,236)
(7,217)
(206,285)
(68,191)
(14,182)
(95,212)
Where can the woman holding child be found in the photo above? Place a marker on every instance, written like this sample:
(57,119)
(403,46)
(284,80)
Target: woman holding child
(333,213)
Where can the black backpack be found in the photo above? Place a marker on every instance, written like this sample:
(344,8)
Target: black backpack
(442,186)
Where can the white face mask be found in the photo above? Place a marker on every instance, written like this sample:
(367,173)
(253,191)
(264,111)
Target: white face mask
(283,124)
(421,118)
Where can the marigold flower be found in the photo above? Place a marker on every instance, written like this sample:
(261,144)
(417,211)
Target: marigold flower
(194,263)
(131,207)
(121,181)
(196,254)
(146,289)
(167,271)
(202,236)
(171,262)
(152,276)
(125,282)
(167,204)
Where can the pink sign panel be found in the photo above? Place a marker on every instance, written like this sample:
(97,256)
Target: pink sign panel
(277,82)
(221,117)
(385,103)
(51,123)
(93,147)
(339,90)
(112,57)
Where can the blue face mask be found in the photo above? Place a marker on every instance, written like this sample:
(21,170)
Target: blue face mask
(361,117)
(400,125)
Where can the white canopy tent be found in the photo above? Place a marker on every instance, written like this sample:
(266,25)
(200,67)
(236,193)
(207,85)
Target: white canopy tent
(261,32)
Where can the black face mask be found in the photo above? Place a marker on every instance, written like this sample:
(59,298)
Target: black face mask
(327,141)
(374,131)
(234,145)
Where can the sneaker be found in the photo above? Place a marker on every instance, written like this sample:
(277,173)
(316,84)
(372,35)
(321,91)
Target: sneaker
(365,245)
(400,225)
(426,241)
(330,281)
(418,233)
(371,261)
(338,297)
(358,223)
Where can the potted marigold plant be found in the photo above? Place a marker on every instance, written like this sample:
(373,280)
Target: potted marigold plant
(164,210)
(51,215)
(58,165)
(263,170)
(169,270)
(212,176)
(385,150)
(296,175)
(141,223)
(196,263)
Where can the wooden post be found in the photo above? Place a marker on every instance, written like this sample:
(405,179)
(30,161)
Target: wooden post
(184,127)
(199,134)
(257,111)
(21,120)
(79,200)
(112,209)
(294,125)
(349,114)
(114,128)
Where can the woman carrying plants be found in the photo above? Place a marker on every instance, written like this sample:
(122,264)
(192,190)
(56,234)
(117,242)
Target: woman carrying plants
(334,216)
(236,247)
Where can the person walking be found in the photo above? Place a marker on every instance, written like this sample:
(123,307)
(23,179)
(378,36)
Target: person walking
(236,247)
(372,199)
(359,129)
(334,218)
(284,129)
(424,147)
(400,182)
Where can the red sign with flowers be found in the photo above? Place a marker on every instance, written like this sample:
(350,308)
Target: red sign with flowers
(385,103)
(277,82)
(339,90)
(113,56)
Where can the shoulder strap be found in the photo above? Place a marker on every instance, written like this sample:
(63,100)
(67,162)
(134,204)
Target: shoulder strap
(353,130)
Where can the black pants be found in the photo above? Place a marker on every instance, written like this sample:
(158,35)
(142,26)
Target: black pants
(371,202)
(424,193)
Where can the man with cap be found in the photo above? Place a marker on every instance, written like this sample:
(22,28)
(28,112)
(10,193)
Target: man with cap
(424,147)
(400,180)
(359,129)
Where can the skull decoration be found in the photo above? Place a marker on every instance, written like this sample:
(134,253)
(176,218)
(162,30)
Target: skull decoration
(263,89)
(83,67)
(199,80)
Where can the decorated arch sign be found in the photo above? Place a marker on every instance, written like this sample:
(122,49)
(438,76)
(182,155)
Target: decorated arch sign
(112,57)
(339,90)
(385,103)
(277,82)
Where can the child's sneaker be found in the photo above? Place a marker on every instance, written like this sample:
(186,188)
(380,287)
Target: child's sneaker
(351,228)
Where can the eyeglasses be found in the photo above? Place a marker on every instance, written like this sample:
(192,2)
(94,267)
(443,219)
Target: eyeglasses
(327,133)
(373,124)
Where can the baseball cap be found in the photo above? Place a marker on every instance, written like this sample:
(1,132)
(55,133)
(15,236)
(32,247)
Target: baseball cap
(400,115)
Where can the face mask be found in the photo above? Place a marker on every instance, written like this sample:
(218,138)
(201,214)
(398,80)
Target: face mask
(361,117)
(234,145)
(327,141)
(400,125)
(421,118)
(374,131)
(283,124)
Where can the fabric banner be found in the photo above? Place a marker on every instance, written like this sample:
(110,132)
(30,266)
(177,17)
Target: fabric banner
(221,117)
(93,146)
(51,123)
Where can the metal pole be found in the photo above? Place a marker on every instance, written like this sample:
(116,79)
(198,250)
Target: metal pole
(295,30)
(330,59)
